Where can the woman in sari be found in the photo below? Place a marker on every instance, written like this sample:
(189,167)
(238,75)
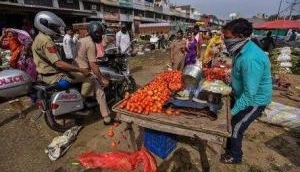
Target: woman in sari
(191,50)
(19,43)
(9,40)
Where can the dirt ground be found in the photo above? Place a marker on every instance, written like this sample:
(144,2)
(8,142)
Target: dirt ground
(22,143)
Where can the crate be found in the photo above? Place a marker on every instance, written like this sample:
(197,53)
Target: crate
(161,144)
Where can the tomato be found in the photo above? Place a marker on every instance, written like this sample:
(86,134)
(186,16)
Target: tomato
(116,124)
(177,113)
(154,95)
(114,143)
(110,133)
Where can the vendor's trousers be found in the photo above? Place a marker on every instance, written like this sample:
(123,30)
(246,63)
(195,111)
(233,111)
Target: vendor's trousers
(240,122)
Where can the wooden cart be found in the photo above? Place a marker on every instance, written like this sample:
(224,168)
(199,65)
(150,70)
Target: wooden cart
(204,132)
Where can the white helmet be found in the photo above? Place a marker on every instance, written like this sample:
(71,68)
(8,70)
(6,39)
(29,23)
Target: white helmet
(49,23)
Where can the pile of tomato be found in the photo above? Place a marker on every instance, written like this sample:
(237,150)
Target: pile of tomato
(212,74)
(153,96)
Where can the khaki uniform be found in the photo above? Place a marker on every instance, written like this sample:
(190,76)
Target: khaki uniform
(43,47)
(86,54)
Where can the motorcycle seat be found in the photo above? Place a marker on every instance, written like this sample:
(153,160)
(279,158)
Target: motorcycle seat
(42,86)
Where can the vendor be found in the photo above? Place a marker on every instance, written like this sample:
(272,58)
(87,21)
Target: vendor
(251,83)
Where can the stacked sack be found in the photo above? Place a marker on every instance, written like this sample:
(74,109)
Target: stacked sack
(284,60)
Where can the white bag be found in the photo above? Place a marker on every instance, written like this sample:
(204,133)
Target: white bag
(282,115)
(284,58)
(286,64)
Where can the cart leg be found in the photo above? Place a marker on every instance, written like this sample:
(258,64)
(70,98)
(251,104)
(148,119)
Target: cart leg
(203,156)
(130,132)
(201,146)
(215,161)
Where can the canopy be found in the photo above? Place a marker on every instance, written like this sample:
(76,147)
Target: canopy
(279,24)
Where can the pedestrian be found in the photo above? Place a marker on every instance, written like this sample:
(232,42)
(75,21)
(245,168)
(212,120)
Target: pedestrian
(69,44)
(213,50)
(9,40)
(199,39)
(19,43)
(256,41)
(191,49)
(293,36)
(109,40)
(123,39)
(268,43)
(100,46)
(163,40)
(76,36)
(251,84)
(177,56)
(160,39)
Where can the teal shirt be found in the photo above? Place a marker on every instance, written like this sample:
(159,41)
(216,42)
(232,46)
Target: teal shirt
(251,78)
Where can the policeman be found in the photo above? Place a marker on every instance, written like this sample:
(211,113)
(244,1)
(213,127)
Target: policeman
(52,69)
(87,59)
(49,64)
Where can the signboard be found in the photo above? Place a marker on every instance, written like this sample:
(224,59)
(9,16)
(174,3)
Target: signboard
(139,4)
(110,2)
(126,3)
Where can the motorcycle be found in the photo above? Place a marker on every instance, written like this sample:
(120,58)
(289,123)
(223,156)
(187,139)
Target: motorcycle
(61,103)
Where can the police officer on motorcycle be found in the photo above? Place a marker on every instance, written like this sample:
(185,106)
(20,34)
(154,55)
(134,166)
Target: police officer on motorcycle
(52,69)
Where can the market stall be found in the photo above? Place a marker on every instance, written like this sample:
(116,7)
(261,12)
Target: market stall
(278,27)
(182,104)
(279,24)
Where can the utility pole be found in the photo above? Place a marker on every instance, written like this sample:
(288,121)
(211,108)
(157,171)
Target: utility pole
(292,9)
(279,9)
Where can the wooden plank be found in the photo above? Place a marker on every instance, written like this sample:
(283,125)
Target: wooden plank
(130,133)
(219,127)
(171,129)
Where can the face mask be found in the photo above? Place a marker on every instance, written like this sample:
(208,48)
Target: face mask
(233,44)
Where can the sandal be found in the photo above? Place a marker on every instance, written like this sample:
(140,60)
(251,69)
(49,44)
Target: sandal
(228,159)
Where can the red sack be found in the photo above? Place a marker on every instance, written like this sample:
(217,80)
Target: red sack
(119,160)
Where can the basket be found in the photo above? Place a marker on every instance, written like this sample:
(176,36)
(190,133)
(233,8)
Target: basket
(161,144)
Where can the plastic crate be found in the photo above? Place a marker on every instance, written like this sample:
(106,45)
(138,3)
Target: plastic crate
(161,144)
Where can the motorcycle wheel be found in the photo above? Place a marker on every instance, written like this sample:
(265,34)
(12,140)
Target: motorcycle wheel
(59,125)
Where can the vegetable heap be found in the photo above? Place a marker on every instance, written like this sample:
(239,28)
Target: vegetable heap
(212,74)
(153,96)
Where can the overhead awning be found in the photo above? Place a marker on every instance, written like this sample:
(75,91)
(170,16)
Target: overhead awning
(279,24)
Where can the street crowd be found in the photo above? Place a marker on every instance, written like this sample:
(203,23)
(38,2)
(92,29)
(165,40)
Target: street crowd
(39,56)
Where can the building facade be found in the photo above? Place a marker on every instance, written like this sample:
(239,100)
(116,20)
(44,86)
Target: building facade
(111,12)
